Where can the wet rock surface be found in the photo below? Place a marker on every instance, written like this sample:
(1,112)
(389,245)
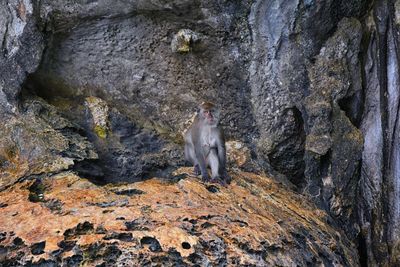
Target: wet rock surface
(253,222)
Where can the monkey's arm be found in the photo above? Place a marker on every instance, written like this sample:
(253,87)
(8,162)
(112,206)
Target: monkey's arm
(198,150)
(226,179)
(199,153)
(221,151)
(188,146)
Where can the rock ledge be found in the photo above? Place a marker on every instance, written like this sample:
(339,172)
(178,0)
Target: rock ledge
(253,222)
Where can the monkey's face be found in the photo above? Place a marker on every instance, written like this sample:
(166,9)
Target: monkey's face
(210,116)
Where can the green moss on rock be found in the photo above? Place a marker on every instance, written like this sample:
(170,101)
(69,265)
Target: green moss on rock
(100,131)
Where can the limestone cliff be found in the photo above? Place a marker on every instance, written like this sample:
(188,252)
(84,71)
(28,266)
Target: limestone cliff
(309,92)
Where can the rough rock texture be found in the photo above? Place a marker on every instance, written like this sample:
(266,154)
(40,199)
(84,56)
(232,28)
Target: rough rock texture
(333,144)
(287,37)
(127,150)
(39,142)
(253,222)
(307,98)
(310,88)
(126,59)
(21,46)
(380,173)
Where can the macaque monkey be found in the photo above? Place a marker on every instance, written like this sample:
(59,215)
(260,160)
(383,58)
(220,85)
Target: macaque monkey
(205,145)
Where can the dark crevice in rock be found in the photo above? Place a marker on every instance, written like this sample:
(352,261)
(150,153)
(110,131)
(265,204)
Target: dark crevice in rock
(74,260)
(287,157)
(129,192)
(18,241)
(164,172)
(36,191)
(43,263)
(38,248)
(152,243)
(81,229)
(126,237)
(213,188)
(67,245)
(362,251)
(352,106)
(206,225)
(90,169)
(186,245)
(325,164)
(137,225)
(3,236)
(122,153)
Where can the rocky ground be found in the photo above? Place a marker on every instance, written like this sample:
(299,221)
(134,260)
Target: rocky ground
(66,220)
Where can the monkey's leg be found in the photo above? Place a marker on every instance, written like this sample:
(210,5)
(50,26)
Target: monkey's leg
(189,153)
(196,170)
(190,156)
(202,164)
(213,162)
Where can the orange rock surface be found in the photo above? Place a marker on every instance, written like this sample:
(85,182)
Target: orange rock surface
(253,222)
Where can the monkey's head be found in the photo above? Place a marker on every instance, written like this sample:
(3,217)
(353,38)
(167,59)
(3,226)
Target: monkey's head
(209,113)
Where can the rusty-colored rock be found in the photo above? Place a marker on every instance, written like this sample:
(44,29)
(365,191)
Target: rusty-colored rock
(252,222)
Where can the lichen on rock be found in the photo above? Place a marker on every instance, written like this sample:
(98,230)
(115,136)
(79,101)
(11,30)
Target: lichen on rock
(99,110)
(183,41)
(254,221)
(238,154)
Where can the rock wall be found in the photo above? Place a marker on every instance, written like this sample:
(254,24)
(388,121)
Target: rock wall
(306,82)
(379,184)
(310,87)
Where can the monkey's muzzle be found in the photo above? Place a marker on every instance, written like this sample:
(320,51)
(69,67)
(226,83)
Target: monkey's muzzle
(209,116)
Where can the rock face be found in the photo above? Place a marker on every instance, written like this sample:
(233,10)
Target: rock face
(126,59)
(254,222)
(309,92)
(379,185)
(21,46)
(40,141)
